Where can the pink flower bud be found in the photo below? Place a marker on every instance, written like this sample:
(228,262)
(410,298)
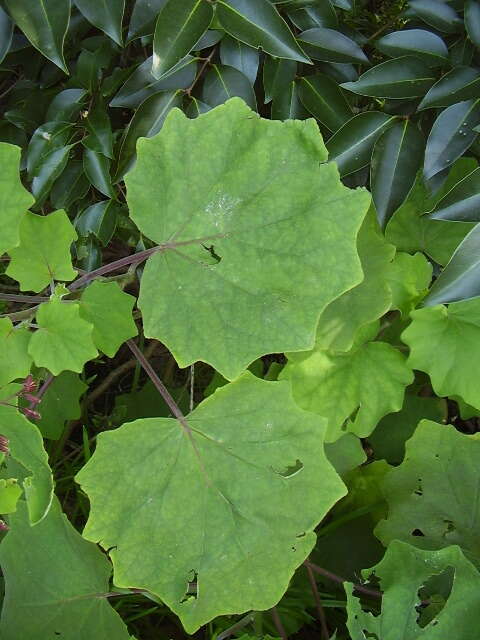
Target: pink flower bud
(31,398)
(3,526)
(29,384)
(4,442)
(31,413)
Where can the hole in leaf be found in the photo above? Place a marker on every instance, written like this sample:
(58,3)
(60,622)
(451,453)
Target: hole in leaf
(450,528)
(418,533)
(433,596)
(211,251)
(192,587)
(291,470)
(300,535)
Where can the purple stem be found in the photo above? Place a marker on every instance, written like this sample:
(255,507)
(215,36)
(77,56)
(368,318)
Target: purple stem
(338,579)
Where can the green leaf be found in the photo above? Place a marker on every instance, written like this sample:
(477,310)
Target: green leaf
(6,33)
(221,466)
(63,340)
(44,251)
(146,122)
(70,186)
(418,42)
(265,301)
(14,198)
(52,167)
(396,158)
(141,83)
(359,386)
(109,309)
(65,106)
(97,123)
(60,403)
(97,170)
(472,21)
(405,573)
(423,492)
(258,24)
(222,83)
(142,22)
(245,59)
(442,343)
(10,492)
(100,219)
(26,448)
(105,15)
(366,302)
(459,280)
(462,202)
(323,98)
(405,77)
(45,24)
(392,432)
(332,46)
(461,83)
(345,454)
(452,133)
(409,278)
(15,361)
(287,105)
(438,15)
(318,15)
(351,146)
(278,74)
(47,138)
(412,231)
(179,26)
(53,580)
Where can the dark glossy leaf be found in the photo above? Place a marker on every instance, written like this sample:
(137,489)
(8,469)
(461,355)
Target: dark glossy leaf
(418,42)
(437,14)
(88,253)
(461,53)
(324,99)
(142,83)
(45,23)
(460,280)
(222,83)
(100,137)
(6,33)
(320,15)
(100,219)
(472,21)
(396,158)
(146,122)
(179,26)
(405,77)
(209,39)
(461,83)
(196,108)
(351,146)
(66,105)
(462,202)
(49,170)
(331,46)
(144,14)
(452,133)
(339,71)
(106,15)
(287,105)
(258,24)
(48,137)
(278,73)
(87,72)
(71,186)
(97,170)
(240,56)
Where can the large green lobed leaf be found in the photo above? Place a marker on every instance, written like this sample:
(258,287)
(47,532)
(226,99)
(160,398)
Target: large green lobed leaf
(212,499)
(258,239)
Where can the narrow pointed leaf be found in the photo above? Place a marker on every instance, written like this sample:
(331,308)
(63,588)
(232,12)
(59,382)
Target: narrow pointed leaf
(14,198)
(26,448)
(245,59)
(462,203)
(15,362)
(6,33)
(107,15)
(331,46)
(100,219)
(278,74)
(51,589)
(63,340)
(323,98)
(405,77)
(144,14)
(219,463)
(319,15)
(222,83)
(179,26)
(249,162)
(459,84)
(418,42)
(97,170)
(258,24)
(109,309)
(51,168)
(396,158)
(472,21)
(351,146)
(287,105)
(100,138)
(45,24)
